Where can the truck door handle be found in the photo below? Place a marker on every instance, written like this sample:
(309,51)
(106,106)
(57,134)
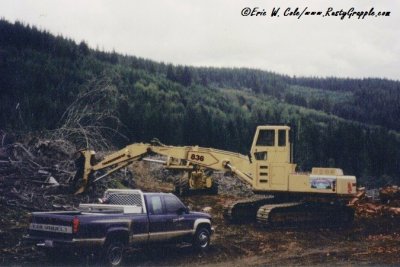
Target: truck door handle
(178,219)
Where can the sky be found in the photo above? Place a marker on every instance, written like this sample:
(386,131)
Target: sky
(215,33)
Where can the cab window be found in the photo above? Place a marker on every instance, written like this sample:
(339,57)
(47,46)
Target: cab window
(155,205)
(261,155)
(266,138)
(172,204)
(282,138)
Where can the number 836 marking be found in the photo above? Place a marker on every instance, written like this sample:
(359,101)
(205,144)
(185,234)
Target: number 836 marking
(197,157)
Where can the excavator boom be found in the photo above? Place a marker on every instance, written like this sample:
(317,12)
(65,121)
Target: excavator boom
(200,157)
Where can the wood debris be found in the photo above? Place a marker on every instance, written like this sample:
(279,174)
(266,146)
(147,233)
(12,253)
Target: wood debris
(388,206)
(33,173)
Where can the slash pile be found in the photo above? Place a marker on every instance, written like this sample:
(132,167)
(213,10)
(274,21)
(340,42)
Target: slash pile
(33,173)
(387,206)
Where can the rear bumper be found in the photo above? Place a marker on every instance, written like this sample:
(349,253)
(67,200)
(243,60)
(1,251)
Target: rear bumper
(67,243)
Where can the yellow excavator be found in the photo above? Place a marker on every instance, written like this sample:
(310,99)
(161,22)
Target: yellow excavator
(288,197)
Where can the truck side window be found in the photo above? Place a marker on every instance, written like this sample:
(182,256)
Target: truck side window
(266,138)
(155,205)
(172,204)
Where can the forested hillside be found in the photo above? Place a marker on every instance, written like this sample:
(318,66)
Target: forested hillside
(349,123)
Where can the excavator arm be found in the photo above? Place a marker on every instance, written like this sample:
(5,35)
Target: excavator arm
(111,163)
(209,158)
(178,158)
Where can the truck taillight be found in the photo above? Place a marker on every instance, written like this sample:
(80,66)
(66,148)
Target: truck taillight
(75,225)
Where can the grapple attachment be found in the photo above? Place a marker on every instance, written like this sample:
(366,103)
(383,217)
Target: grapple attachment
(83,165)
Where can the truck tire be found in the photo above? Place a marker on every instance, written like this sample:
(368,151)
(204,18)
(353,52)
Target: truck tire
(201,240)
(114,253)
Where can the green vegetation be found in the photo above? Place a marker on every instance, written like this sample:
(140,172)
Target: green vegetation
(349,123)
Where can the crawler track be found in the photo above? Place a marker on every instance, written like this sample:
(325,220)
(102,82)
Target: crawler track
(245,210)
(305,215)
(268,211)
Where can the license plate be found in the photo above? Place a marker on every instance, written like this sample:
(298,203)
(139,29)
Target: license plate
(51,228)
(49,243)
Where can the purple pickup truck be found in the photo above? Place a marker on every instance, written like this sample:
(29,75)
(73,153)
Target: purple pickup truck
(125,218)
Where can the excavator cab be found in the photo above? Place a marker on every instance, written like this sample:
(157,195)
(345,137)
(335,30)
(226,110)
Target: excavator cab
(272,144)
(271,152)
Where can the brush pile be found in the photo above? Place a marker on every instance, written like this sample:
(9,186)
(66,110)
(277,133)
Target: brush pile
(35,172)
(388,204)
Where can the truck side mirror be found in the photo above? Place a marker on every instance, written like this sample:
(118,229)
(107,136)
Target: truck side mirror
(182,210)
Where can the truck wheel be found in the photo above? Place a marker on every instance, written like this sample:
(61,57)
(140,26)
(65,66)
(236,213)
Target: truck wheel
(114,253)
(201,240)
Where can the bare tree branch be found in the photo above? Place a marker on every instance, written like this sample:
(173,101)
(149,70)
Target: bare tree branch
(91,120)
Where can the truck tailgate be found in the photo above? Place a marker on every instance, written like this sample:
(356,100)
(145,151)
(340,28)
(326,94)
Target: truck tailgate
(52,225)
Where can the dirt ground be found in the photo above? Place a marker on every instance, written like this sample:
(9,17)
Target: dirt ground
(371,240)
(368,242)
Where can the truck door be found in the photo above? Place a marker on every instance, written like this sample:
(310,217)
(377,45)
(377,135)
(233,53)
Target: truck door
(165,223)
(177,219)
(156,212)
